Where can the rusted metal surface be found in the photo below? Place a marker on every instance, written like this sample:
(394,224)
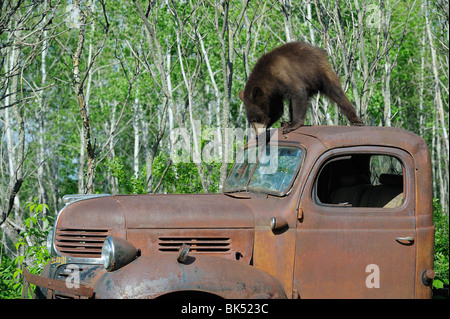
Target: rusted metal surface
(52,285)
(334,246)
(337,244)
(428,276)
(234,244)
(185,211)
(164,274)
(237,248)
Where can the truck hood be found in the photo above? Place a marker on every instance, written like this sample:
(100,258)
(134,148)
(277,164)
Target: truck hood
(158,211)
(185,211)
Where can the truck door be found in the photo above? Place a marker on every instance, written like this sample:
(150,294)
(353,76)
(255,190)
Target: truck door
(356,234)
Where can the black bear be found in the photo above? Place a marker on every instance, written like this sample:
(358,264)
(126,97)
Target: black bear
(294,71)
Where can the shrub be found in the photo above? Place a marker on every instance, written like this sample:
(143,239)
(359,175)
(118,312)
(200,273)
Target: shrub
(441,245)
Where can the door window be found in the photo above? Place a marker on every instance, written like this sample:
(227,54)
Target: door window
(361,180)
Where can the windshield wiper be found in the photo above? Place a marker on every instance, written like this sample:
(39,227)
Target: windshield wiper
(237,194)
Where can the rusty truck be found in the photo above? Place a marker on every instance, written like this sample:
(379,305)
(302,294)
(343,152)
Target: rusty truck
(341,212)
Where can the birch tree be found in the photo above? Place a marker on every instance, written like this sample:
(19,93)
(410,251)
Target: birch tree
(79,83)
(160,73)
(14,90)
(226,25)
(442,144)
(189,73)
(18,50)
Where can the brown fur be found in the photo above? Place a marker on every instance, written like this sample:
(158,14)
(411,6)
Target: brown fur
(295,71)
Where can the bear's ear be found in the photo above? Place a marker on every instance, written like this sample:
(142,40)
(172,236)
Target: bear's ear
(241,95)
(256,92)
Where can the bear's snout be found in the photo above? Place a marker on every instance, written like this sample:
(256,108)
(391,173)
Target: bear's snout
(259,128)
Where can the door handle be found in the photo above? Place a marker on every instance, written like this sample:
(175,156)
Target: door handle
(405,240)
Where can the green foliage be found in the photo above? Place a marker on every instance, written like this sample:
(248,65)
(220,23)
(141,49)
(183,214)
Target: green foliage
(31,249)
(9,286)
(128,182)
(184,177)
(178,178)
(32,242)
(441,245)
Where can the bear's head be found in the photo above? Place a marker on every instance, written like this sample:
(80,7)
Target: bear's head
(256,107)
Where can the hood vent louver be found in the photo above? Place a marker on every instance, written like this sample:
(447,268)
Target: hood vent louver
(207,245)
(80,242)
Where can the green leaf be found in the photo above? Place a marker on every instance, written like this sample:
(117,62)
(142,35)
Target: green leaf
(438,284)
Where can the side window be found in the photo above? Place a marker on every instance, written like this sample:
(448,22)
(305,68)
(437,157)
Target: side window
(361,180)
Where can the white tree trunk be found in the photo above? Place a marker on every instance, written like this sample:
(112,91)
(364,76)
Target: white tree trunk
(136,136)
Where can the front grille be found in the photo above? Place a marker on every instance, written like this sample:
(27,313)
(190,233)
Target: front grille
(80,242)
(220,245)
(74,274)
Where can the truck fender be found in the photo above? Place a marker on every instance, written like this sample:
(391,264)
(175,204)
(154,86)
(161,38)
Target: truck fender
(153,276)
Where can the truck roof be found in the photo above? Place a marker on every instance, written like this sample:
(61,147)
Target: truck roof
(343,136)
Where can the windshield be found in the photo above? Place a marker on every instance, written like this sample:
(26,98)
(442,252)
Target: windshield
(269,171)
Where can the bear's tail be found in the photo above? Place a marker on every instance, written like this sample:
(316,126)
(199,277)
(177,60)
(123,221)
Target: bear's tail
(331,87)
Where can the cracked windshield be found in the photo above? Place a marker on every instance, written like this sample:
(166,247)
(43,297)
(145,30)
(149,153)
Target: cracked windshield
(269,171)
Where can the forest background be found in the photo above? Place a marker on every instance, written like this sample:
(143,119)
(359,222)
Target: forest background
(90,92)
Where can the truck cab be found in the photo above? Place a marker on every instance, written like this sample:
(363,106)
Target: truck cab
(322,212)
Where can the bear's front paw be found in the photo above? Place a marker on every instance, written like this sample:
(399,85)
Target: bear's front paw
(358,123)
(290,126)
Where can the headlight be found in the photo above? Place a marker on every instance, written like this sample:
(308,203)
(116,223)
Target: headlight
(117,252)
(107,253)
(50,238)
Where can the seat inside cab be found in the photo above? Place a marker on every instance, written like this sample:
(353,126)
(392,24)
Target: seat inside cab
(361,180)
